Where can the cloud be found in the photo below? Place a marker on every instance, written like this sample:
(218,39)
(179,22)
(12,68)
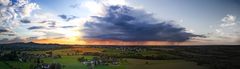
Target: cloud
(4,2)
(67,17)
(97,6)
(4,40)
(112,2)
(92,6)
(2,30)
(48,23)
(130,24)
(9,34)
(229,20)
(13,10)
(238,40)
(75,5)
(227,30)
(17,39)
(52,24)
(14,40)
(35,27)
(28,8)
(68,26)
(25,21)
(51,34)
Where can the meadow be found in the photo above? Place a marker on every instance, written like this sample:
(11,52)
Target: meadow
(71,61)
(120,57)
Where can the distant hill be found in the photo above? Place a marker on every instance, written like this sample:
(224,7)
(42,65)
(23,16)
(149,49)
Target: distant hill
(30,46)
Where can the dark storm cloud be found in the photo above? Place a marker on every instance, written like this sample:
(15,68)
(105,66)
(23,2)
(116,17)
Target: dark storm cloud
(67,17)
(35,27)
(129,24)
(47,21)
(51,23)
(3,30)
(25,21)
(68,26)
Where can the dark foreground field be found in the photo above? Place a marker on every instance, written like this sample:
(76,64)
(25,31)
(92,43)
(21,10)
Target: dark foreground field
(53,56)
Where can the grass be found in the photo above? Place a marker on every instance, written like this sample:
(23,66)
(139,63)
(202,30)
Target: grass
(68,50)
(112,51)
(3,65)
(70,62)
(17,64)
(111,67)
(161,64)
(14,64)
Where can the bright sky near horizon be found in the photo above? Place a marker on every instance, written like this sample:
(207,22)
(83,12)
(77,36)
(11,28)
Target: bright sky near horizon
(120,21)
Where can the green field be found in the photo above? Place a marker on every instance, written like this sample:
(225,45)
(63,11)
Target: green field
(161,64)
(15,64)
(70,62)
(3,66)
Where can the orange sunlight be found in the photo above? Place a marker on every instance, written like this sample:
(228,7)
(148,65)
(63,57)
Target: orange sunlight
(77,41)
(67,41)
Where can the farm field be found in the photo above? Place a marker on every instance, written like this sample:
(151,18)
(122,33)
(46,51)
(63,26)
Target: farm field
(119,57)
(162,64)
(70,63)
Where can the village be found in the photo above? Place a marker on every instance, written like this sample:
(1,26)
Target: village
(37,60)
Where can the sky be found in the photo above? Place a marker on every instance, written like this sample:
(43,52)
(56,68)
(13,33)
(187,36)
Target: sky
(121,22)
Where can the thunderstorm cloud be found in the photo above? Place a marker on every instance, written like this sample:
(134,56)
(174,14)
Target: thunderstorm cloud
(129,24)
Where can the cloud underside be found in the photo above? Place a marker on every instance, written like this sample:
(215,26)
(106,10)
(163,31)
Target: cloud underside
(3,30)
(130,24)
(119,22)
(17,39)
(67,17)
(36,27)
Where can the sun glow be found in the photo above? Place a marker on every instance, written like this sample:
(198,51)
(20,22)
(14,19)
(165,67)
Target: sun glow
(67,41)
(71,34)
(78,41)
